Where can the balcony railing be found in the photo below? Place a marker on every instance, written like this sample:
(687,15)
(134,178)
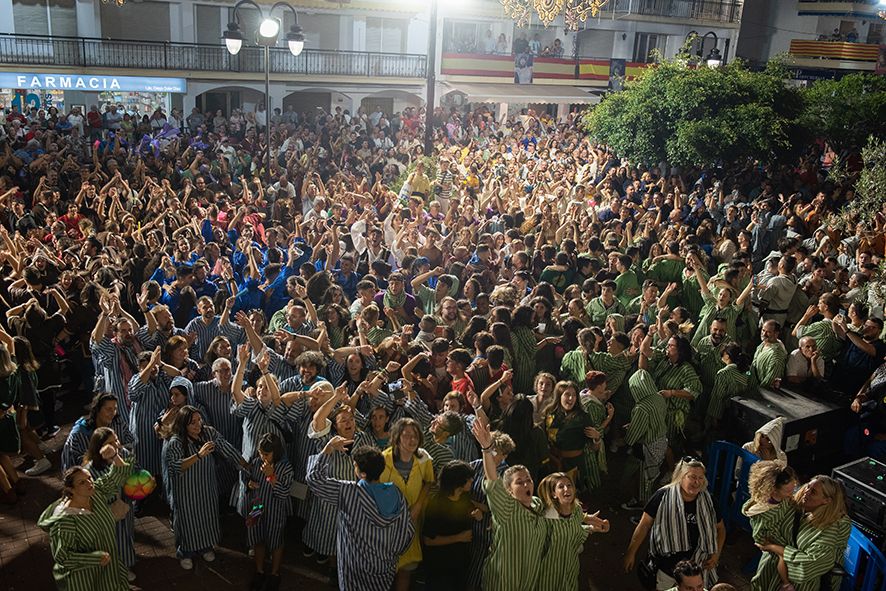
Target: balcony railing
(722,11)
(40,50)
(856,8)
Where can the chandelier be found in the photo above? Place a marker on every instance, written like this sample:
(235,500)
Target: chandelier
(574,11)
(117,2)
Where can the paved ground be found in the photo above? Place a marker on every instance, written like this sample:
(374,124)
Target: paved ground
(26,562)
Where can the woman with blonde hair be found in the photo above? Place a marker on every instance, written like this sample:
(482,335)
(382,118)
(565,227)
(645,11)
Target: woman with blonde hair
(770,507)
(409,467)
(684,525)
(568,528)
(819,533)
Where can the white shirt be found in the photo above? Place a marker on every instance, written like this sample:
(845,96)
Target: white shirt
(800,367)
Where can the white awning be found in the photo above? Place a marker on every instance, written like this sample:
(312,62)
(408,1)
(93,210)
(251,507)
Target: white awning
(523,93)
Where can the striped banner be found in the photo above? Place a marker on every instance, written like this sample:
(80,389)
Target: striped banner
(840,50)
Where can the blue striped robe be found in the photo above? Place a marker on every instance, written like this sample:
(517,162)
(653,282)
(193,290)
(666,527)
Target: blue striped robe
(368,543)
(275,500)
(78,440)
(218,414)
(111,357)
(463,445)
(280,368)
(319,532)
(126,526)
(151,340)
(195,515)
(149,400)
(205,333)
(258,420)
(234,333)
(301,448)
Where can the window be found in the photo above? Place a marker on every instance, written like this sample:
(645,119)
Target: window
(386,35)
(645,46)
(45,17)
(875,34)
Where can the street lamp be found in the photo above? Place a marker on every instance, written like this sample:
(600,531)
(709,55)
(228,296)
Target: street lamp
(714,59)
(268,31)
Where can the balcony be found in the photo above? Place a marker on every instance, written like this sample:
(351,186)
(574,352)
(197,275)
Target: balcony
(74,52)
(715,11)
(545,70)
(839,55)
(862,9)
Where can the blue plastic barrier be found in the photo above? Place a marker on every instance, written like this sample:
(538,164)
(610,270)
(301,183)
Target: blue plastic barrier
(864,564)
(729,489)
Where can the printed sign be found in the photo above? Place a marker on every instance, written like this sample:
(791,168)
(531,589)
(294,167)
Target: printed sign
(91,83)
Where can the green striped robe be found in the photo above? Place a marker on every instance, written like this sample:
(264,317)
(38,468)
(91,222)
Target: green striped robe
(709,312)
(815,553)
(518,541)
(560,565)
(574,368)
(626,287)
(728,383)
(78,539)
(691,297)
(676,377)
(709,360)
(614,366)
(829,346)
(598,311)
(648,416)
(375,335)
(524,360)
(775,525)
(595,460)
(769,363)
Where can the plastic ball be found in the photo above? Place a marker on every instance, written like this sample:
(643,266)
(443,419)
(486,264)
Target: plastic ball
(139,485)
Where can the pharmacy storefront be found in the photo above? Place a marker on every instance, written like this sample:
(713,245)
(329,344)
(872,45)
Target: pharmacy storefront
(135,94)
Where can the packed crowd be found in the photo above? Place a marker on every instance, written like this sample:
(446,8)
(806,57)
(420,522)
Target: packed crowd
(429,360)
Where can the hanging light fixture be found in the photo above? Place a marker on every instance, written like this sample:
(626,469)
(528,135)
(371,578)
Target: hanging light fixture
(117,2)
(573,11)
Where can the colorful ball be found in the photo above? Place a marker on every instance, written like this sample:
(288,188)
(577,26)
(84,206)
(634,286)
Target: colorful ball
(139,485)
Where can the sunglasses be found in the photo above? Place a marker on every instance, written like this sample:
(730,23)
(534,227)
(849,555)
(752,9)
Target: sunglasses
(690,460)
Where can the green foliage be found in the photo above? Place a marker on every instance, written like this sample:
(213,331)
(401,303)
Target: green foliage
(868,200)
(698,116)
(845,112)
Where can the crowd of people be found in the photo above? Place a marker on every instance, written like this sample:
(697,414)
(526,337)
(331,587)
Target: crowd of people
(430,360)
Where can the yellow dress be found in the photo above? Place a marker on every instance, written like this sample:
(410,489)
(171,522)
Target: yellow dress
(422,472)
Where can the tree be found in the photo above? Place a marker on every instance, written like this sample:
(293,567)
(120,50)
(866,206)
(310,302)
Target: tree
(845,112)
(699,116)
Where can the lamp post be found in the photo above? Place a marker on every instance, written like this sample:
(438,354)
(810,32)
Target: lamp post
(714,59)
(430,92)
(267,34)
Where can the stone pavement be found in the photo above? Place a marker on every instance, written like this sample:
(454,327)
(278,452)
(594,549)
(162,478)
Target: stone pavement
(26,561)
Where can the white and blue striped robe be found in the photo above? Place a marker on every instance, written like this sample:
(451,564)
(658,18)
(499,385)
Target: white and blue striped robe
(151,341)
(149,400)
(368,543)
(280,368)
(338,373)
(275,499)
(481,530)
(218,414)
(234,333)
(205,333)
(78,440)
(125,528)
(258,420)
(301,448)
(319,532)
(195,518)
(111,356)
(463,445)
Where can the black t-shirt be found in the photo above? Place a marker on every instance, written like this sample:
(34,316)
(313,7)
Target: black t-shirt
(667,563)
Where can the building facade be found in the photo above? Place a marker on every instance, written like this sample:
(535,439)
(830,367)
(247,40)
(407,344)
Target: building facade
(357,53)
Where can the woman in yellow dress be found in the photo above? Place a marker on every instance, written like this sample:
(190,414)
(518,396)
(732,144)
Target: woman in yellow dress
(409,468)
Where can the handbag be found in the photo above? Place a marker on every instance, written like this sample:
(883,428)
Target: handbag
(119,509)
(285,431)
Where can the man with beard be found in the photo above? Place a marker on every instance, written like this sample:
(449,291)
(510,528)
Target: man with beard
(448,315)
(770,358)
(160,328)
(397,305)
(861,355)
(203,328)
(118,354)
(708,353)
